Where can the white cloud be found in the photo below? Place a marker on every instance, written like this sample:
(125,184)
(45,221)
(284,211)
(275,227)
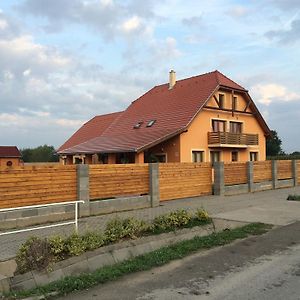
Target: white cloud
(268,93)
(238,11)
(26,72)
(3,24)
(132,24)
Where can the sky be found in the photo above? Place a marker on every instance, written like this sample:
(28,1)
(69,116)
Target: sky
(64,61)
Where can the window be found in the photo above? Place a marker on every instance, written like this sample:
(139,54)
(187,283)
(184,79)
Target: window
(162,158)
(214,156)
(138,125)
(9,163)
(234,103)
(235,127)
(221,100)
(198,156)
(151,123)
(253,156)
(218,126)
(234,155)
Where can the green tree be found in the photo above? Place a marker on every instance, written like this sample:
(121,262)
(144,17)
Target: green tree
(39,154)
(274,144)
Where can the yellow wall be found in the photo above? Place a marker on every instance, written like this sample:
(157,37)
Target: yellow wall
(4,160)
(196,137)
(171,148)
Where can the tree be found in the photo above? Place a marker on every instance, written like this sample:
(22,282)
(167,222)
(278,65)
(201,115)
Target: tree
(39,154)
(274,144)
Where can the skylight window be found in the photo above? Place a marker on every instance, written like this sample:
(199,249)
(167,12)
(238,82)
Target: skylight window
(151,123)
(138,125)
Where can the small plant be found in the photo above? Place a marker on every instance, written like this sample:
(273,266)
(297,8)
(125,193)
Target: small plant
(34,254)
(172,220)
(202,215)
(75,245)
(117,229)
(93,240)
(293,197)
(114,230)
(57,246)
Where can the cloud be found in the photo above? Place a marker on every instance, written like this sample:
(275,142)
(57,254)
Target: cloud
(111,19)
(132,24)
(193,21)
(269,93)
(288,36)
(238,11)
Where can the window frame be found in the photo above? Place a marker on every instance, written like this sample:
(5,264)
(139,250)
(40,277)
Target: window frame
(202,151)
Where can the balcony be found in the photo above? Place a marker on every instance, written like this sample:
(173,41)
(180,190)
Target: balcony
(234,140)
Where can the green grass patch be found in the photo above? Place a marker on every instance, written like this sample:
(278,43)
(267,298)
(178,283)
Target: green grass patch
(293,197)
(144,262)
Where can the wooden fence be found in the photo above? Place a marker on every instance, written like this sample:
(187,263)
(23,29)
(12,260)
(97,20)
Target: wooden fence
(22,186)
(262,171)
(298,171)
(284,170)
(180,180)
(109,181)
(235,173)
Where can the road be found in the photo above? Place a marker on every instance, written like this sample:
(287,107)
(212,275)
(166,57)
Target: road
(261,267)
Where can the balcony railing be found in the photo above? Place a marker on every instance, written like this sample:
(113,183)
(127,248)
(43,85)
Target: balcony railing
(222,139)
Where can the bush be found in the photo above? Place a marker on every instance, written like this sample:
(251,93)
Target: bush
(75,245)
(294,197)
(93,240)
(202,215)
(34,254)
(117,229)
(172,220)
(57,246)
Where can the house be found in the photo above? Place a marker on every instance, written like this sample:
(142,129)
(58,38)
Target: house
(204,118)
(10,156)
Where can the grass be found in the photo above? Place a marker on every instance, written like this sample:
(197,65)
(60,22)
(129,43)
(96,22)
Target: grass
(293,197)
(143,262)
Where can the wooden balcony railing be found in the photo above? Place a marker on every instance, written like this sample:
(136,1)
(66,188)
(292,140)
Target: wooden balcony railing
(228,138)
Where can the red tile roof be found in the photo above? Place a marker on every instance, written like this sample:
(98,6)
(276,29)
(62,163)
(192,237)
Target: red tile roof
(91,129)
(9,151)
(173,109)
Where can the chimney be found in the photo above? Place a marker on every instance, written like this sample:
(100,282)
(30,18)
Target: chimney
(172,79)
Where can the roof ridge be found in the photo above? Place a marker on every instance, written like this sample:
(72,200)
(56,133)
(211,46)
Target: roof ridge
(218,73)
(188,78)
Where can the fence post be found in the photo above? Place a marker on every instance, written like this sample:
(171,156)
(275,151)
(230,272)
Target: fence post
(154,184)
(83,192)
(250,176)
(295,172)
(219,187)
(274,174)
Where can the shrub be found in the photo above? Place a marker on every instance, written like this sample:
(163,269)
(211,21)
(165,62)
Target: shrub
(93,240)
(172,220)
(34,254)
(294,197)
(202,215)
(117,229)
(133,227)
(57,246)
(75,245)
(114,230)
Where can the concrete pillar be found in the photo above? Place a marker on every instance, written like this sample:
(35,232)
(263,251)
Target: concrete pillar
(295,172)
(154,184)
(250,176)
(112,158)
(219,186)
(139,158)
(274,174)
(83,192)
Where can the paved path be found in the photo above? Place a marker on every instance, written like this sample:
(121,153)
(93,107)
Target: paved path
(263,267)
(268,206)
